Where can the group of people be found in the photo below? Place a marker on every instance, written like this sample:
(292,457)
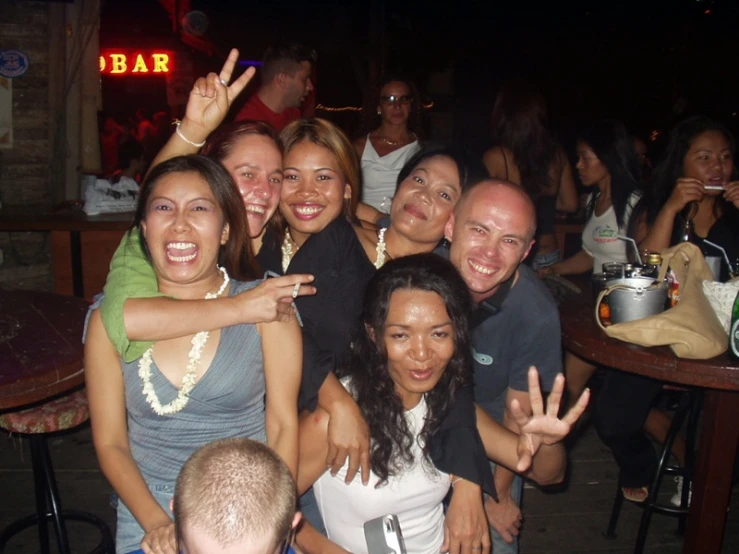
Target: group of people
(393,355)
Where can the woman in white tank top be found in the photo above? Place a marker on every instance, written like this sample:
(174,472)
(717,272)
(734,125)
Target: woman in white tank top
(384,150)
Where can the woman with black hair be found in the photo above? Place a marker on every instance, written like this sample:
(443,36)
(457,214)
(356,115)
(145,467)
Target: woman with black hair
(410,359)
(391,134)
(526,153)
(606,161)
(694,192)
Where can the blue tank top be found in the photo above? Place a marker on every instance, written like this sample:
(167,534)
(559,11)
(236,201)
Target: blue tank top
(227,402)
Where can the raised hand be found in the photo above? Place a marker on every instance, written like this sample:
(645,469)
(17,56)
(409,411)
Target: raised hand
(732,193)
(544,428)
(686,190)
(211,97)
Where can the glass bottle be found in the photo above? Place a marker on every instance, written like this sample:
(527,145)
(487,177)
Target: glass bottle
(734,331)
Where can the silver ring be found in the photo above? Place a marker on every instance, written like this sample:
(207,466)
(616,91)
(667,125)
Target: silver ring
(225,83)
(296,289)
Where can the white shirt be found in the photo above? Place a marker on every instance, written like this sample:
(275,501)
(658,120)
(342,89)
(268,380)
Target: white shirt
(414,495)
(380,173)
(599,236)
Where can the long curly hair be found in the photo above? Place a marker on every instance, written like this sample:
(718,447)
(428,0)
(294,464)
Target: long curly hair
(372,385)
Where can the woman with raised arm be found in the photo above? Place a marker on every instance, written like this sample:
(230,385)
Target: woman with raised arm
(410,359)
(150,414)
(383,149)
(134,310)
(526,153)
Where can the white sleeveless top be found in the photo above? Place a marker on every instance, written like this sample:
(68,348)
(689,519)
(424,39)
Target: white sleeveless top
(414,496)
(599,236)
(380,173)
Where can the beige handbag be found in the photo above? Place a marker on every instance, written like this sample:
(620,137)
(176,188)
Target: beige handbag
(691,328)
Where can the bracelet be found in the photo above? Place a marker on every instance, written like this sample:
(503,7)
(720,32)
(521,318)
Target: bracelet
(183,137)
(455,480)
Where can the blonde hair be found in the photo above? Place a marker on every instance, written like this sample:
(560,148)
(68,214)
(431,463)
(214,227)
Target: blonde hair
(235,489)
(327,135)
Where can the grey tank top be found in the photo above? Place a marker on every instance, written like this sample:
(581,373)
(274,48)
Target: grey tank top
(228,401)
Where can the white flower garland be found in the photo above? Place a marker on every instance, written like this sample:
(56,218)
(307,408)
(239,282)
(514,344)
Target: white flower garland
(287,250)
(381,249)
(188,381)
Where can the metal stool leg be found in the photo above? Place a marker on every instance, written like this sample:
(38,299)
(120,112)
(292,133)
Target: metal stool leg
(41,498)
(681,413)
(55,504)
(615,513)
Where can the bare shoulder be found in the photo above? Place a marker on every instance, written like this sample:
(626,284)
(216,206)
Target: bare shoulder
(495,161)
(359,145)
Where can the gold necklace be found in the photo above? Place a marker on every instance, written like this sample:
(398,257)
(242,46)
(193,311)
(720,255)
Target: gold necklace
(398,143)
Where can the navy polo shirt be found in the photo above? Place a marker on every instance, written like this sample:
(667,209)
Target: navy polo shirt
(512,330)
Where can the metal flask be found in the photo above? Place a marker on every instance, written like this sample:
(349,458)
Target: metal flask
(633,298)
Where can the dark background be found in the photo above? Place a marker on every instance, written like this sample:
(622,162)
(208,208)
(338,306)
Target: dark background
(647,63)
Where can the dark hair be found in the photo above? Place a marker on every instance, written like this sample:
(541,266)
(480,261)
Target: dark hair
(612,143)
(470,168)
(519,124)
(671,166)
(236,255)
(285,57)
(371,383)
(371,118)
(129,150)
(221,143)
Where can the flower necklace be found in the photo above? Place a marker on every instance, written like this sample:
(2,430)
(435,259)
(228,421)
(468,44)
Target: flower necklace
(188,381)
(381,250)
(287,250)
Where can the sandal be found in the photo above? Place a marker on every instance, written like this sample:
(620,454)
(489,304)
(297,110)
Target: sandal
(635,494)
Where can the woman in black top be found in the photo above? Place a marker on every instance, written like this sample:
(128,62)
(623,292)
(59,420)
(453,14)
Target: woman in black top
(693,190)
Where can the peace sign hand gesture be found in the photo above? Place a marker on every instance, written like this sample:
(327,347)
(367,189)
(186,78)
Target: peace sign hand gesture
(544,428)
(211,97)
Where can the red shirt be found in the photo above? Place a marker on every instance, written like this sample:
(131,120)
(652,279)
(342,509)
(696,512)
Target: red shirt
(257,110)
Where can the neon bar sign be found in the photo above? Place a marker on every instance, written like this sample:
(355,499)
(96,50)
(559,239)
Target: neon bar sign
(127,63)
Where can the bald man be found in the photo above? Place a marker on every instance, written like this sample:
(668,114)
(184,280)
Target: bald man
(515,325)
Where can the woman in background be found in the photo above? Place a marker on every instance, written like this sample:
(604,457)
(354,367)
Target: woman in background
(527,154)
(384,149)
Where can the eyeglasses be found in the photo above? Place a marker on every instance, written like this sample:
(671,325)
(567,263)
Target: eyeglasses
(392,99)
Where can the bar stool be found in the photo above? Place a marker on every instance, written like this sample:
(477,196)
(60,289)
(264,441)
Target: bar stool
(36,424)
(689,407)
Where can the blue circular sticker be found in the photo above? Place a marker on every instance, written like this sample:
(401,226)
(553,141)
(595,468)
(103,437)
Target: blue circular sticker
(13,63)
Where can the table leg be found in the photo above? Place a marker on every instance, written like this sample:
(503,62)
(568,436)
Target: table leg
(712,487)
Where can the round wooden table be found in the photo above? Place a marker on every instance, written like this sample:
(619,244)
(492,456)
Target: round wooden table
(41,349)
(720,427)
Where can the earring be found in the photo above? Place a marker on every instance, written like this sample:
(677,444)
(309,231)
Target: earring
(379,112)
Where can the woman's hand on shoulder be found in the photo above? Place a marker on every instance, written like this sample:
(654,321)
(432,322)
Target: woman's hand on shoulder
(732,193)
(160,540)
(544,428)
(272,300)
(211,97)
(686,190)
